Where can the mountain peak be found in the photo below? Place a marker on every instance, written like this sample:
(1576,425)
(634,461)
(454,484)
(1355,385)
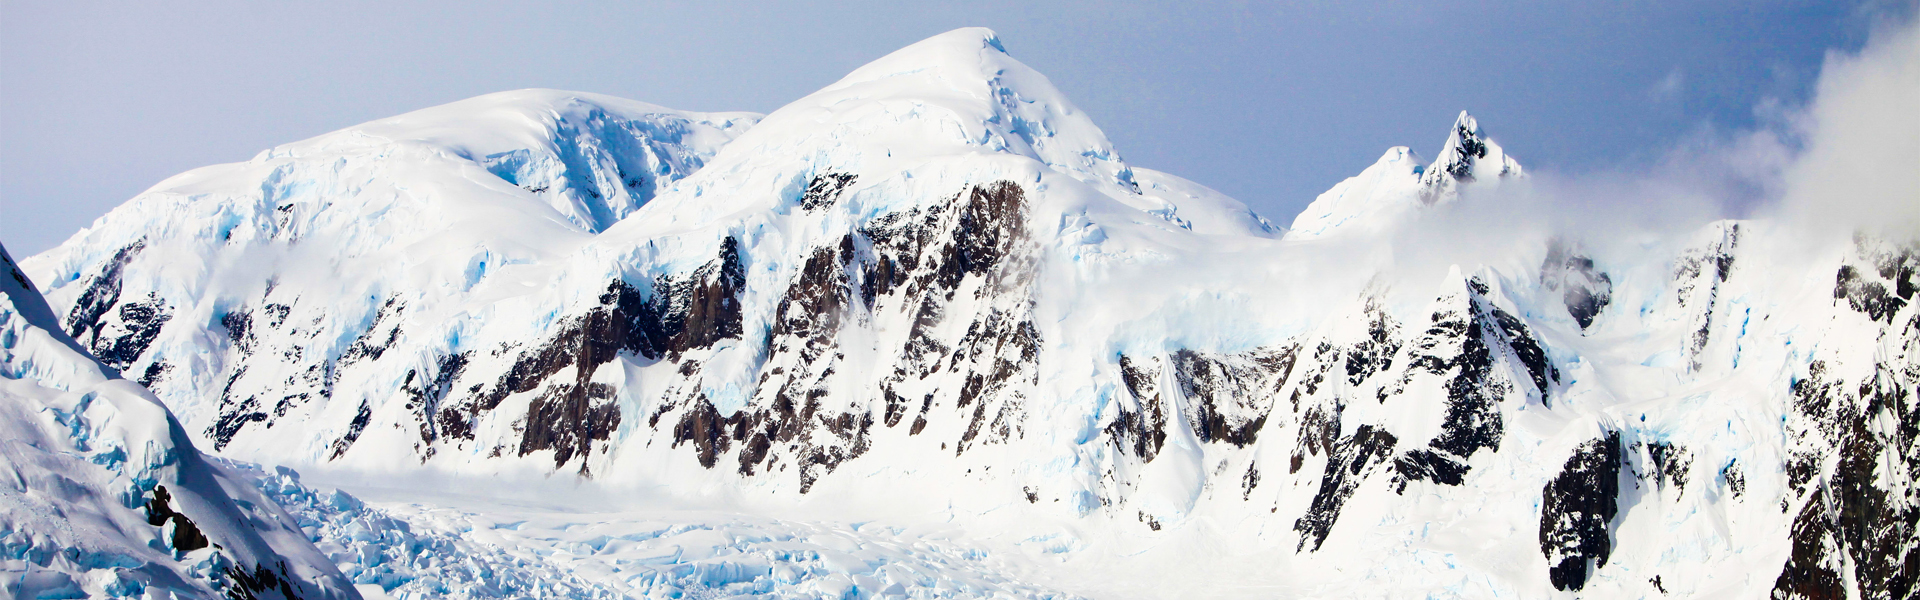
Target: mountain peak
(996,101)
(971,49)
(1467,156)
(1397,182)
(1464,145)
(1465,122)
(964,38)
(951,96)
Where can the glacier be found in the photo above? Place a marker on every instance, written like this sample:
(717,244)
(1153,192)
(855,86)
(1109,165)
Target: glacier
(925,333)
(105,494)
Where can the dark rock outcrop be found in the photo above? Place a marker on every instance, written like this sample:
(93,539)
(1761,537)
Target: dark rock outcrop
(1697,276)
(1467,342)
(139,324)
(825,189)
(1349,463)
(1142,430)
(1862,514)
(186,536)
(800,417)
(1584,289)
(100,296)
(354,428)
(1576,510)
(1229,396)
(568,417)
(1670,465)
(117,332)
(1881,287)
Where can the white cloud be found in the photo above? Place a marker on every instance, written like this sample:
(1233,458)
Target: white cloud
(1846,161)
(1860,167)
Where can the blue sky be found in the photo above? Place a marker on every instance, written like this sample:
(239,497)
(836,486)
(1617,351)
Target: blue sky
(1271,103)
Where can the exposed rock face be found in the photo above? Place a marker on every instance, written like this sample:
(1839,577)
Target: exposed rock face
(1698,276)
(825,189)
(1222,398)
(701,310)
(809,320)
(120,341)
(186,536)
(1576,510)
(906,268)
(1468,343)
(1228,397)
(1477,356)
(1462,344)
(1852,466)
(1879,298)
(569,416)
(1350,461)
(1855,467)
(1142,429)
(253,391)
(1669,464)
(1584,289)
(1858,519)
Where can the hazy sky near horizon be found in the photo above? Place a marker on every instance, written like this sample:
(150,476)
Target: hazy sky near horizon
(1271,103)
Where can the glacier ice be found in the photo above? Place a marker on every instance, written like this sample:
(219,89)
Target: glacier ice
(105,495)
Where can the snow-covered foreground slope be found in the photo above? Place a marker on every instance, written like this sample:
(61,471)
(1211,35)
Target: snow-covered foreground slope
(934,293)
(103,495)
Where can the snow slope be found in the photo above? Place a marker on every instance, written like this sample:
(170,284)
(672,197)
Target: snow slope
(105,496)
(933,292)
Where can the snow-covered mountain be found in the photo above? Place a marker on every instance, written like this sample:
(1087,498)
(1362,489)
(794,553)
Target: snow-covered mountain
(1399,183)
(104,494)
(934,291)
